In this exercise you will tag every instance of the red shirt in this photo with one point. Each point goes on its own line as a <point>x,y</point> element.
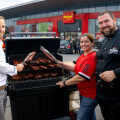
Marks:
<point>86,67</point>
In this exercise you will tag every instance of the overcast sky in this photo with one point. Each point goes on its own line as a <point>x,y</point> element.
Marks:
<point>8,3</point>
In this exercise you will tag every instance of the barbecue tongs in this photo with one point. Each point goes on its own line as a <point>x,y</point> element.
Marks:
<point>48,54</point>
<point>28,56</point>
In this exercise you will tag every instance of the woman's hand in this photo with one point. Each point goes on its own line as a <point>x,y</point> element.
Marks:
<point>60,83</point>
<point>61,64</point>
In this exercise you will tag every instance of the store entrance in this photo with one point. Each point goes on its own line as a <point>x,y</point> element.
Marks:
<point>73,38</point>
<point>70,36</point>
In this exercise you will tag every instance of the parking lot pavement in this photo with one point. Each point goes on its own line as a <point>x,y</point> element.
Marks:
<point>8,111</point>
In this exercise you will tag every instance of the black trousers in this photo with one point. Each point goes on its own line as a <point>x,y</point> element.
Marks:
<point>110,109</point>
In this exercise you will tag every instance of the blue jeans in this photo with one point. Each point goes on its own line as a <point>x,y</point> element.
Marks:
<point>87,109</point>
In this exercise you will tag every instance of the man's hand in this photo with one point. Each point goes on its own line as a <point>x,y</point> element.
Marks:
<point>19,67</point>
<point>107,76</point>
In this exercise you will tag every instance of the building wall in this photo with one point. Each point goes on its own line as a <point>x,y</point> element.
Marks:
<point>48,18</point>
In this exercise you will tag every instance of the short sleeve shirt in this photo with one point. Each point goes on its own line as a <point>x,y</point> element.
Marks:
<point>86,67</point>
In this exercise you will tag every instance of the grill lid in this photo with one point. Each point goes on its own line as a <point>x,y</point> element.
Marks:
<point>27,45</point>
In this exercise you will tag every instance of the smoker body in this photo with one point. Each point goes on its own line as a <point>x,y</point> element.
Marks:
<point>36,99</point>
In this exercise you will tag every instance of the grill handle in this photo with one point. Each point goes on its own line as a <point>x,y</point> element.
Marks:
<point>29,33</point>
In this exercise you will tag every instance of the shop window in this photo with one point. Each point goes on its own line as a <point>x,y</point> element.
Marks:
<point>100,7</point>
<point>67,36</point>
<point>119,6</point>
<point>70,35</point>
<point>32,15</point>
<point>44,13</point>
<point>23,17</point>
<point>85,9</point>
<point>28,16</point>
<point>118,22</point>
<point>97,26</point>
<point>78,35</point>
<point>49,12</point>
<point>72,8</point>
<point>66,8</point>
<point>92,25</point>
<point>60,11</point>
<point>112,6</point>
<point>56,13</point>
<point>91,8</point>
<point>61,35</point>
<point>38,15</point>
<point>78,9</point>
<point>6,22</point>
<point>11,25</point>
<point>19,28</point>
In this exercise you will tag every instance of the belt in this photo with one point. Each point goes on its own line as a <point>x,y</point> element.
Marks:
<point>2,87</point>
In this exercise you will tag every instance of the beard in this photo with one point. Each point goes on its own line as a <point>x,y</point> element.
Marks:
<point>110,32</point>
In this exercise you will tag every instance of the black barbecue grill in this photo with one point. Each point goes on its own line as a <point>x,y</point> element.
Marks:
<point>36,98</point>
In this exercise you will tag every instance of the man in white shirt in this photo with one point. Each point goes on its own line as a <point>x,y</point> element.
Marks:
<point>5,68</point>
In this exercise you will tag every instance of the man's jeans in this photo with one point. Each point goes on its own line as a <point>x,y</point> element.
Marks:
<point>87,109</point>
<point>3,101</point>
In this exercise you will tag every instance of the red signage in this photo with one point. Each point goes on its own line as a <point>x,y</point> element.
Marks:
<point>98,35</point>
<point>68,17</point>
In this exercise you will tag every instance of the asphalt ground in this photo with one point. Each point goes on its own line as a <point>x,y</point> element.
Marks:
<point>66,57</point>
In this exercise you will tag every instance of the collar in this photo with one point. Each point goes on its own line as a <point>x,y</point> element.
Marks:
<point>3,39</point>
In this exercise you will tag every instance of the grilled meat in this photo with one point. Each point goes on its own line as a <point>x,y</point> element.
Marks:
<point>46,61</point>
<point>15,62</point>
<point>55,65</point>
<point>37,61</point>
<point>34,67</point>
<point>46,74</point>
<point>30,75</point>
<point>31,56</point>
<point>40,60</point>
<point>31,61</point>
<point>53,74</point>
<point>38,75</point>
<point>42,67</point>
<point>23,75</point>
<point>16,77</point>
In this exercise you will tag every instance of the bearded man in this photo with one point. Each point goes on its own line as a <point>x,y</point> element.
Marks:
<point>108,67</point>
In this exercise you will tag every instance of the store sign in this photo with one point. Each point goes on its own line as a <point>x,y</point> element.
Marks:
<point>68,17</point>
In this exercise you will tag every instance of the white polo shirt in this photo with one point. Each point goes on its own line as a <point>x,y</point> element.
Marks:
<point>5,68</point>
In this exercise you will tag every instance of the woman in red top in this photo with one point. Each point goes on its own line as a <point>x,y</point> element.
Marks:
<point>85,78</point>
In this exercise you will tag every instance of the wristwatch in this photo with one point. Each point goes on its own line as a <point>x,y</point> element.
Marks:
<point>64,83</point>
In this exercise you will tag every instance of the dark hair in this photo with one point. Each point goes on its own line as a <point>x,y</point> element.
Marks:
<point>108,12</point>
<point>89,36</point>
